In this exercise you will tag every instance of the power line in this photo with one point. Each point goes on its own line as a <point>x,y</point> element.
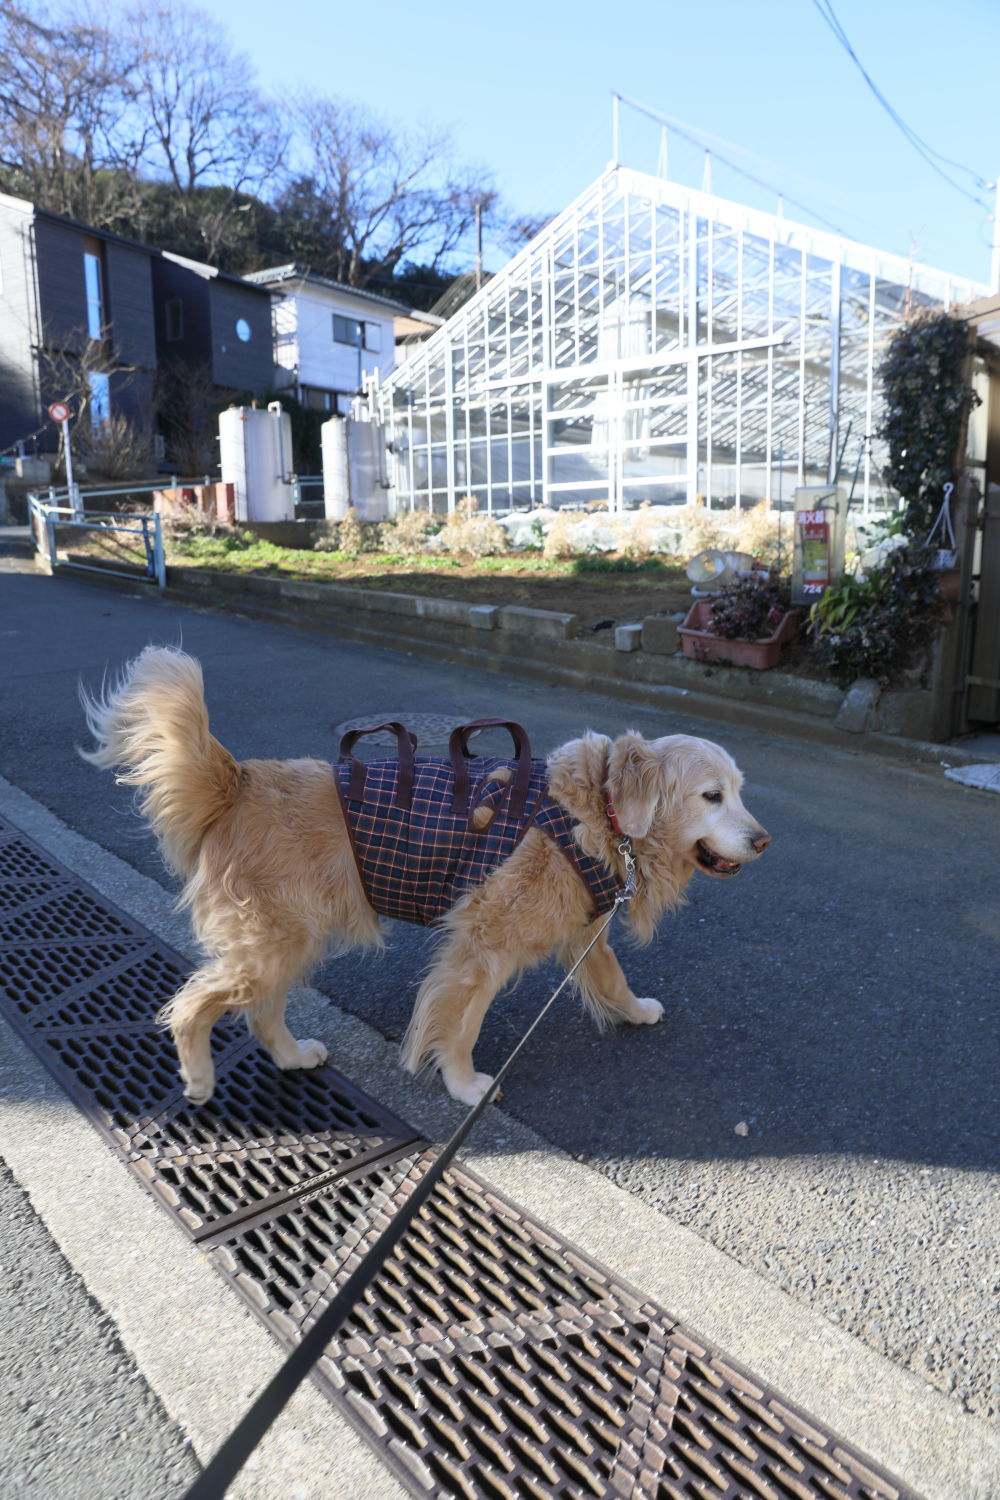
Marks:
<point>699,139</point>
<point>829,15</point>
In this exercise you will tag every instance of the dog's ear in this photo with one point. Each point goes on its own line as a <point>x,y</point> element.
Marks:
<point>637,783</point>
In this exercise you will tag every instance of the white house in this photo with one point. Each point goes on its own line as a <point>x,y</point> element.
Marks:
<point>328,336</point>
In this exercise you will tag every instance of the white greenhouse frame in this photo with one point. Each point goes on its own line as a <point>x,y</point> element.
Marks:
<point>655,343</point>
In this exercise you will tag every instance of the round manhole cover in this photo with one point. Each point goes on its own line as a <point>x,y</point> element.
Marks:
<point>430,729</point>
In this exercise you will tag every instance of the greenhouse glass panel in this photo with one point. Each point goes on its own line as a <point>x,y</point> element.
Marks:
<point>656,343</point>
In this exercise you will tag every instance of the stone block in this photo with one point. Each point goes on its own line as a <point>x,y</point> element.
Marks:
<point>379,601</point>
<point>628,637</point>
<point>301,588</point>
<point>660,634</point>
<point>455,612</point>
<point>543,624</point>
<point>33,470</point>
<point>858,711</point>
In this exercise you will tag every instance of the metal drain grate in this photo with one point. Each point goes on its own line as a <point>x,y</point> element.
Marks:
<point>489,1358</point>
<point>87,1006</point>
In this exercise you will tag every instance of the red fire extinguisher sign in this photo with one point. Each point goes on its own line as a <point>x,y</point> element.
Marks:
<point>816,554</point>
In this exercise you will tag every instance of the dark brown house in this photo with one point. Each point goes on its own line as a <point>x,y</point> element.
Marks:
<point>83,308</point>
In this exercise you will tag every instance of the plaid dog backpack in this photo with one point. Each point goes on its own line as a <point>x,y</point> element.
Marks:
<point>410,821</point>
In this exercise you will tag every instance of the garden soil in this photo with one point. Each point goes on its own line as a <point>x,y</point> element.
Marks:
<point>600,600</point>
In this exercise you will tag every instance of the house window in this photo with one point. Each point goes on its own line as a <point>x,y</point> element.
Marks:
<point>346,331</point>
<point>373,337</point>
<point>92,280</point>
<point>100,397</point>
<point>317,399</point>
<point>174,310</point>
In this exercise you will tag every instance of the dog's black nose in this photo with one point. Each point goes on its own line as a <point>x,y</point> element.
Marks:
<point>760,843</point>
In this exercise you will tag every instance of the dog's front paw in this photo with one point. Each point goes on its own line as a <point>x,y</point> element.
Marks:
<point>310,1054</point>
<point>199,1089</point>
<point>470,1091</point>
<point>647,1012</point>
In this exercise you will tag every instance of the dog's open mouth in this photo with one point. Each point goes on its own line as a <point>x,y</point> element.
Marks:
<point>714,864</point>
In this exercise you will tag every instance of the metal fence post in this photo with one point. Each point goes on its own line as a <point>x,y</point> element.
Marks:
<point>159,561</point>
<point>50,531</point>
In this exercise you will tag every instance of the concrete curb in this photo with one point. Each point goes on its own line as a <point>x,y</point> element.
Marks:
<point>543,645</point>
<point>637,665</point>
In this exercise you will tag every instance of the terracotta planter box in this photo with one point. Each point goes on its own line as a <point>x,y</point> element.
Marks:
<point>701,645</point>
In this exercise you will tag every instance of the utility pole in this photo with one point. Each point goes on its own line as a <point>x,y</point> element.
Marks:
<point>995,264</point>
<point>479,243</point>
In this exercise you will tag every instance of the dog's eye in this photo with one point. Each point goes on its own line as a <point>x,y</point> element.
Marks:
<point>712,796</point>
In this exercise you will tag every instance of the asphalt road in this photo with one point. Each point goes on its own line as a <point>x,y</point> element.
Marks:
<point>73,1398</point>
<point>839,999</point>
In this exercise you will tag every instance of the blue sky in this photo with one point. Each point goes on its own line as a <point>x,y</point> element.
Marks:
<point>526,90</point>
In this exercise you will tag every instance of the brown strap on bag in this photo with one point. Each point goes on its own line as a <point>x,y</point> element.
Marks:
<point>459,753</point>
<point>406,745</point>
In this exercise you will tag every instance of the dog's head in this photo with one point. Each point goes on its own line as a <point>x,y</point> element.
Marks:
<point>687,791</point>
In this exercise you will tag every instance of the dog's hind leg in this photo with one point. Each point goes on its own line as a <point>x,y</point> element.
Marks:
<point>191,1014</point>
<point>225,985</point>
<point>605,990</point>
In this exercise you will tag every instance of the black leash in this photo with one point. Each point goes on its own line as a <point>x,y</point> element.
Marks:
<point>221,1470</point>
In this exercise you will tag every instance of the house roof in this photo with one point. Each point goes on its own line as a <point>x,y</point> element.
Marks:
<point>275,275</point>
<point>201,268</point>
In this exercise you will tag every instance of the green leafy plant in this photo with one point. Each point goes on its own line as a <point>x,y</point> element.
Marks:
<point>749,610</point>
<point>874,626</point>
<point>615,563</point>
<point>927,400</point>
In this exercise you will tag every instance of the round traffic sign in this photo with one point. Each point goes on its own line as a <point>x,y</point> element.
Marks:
<point>59,411</point>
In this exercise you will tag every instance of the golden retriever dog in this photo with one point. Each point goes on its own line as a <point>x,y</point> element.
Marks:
<point>271,880</point>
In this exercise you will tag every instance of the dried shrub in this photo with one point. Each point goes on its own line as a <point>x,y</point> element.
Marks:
<point>758,533</point>
<point>116,449</point>
<point>699,528</point>
<point>407,533</point>
<point>558,541</point>
<point>638,532</point>
<point>466,534</point>
<point>350,534</point>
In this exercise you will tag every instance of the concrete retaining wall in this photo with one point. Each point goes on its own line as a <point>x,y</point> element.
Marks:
<point>638,663</point>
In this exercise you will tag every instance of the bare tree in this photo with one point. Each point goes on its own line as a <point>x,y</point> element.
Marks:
<point>188,403</point>
<point>386,193</point>
<point>516,232</point>
<point>109,444</point>
<point>208,124</point>
<point>69,138</point>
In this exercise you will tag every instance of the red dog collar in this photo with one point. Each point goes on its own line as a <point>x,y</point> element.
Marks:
<point>614,817</point>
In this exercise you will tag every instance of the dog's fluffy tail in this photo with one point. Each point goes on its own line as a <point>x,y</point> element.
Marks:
<point>152,727</point>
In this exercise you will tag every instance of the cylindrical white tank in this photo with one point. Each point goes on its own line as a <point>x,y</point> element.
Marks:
<point>336,468</point>
<point>255,450</point>
<point>366,452</point>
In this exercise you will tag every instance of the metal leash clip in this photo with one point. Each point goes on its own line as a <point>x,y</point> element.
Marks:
<point>631,876</point>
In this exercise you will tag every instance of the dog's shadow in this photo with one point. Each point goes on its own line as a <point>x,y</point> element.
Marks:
<point>787,1033</point>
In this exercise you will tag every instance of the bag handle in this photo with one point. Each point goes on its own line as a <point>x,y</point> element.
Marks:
<point>459,753</point>
<point>406,745</point>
